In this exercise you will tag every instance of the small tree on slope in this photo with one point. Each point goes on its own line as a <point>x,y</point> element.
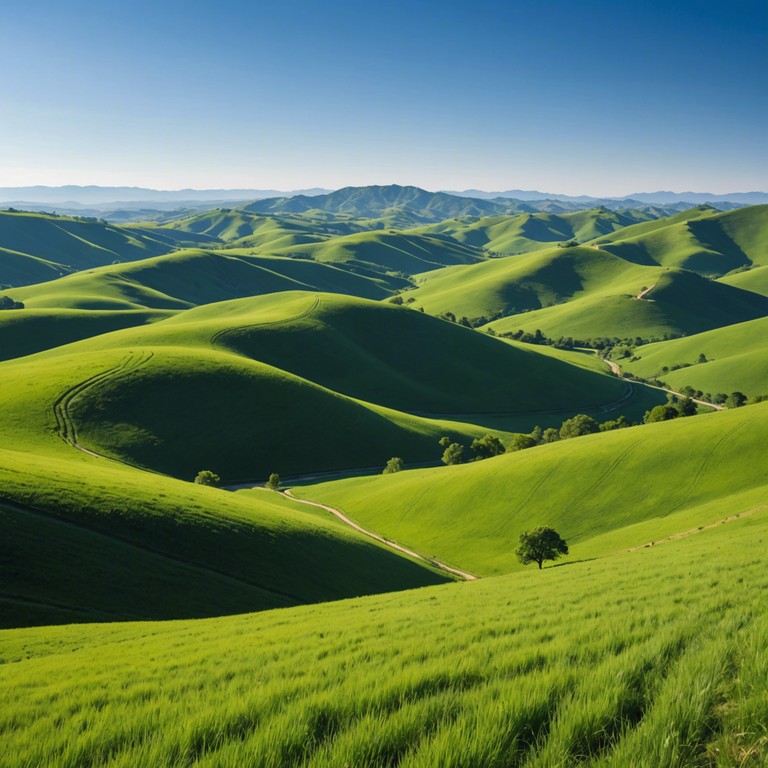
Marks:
<point>540,544</point>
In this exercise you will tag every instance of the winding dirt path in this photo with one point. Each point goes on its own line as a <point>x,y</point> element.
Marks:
<point>375,536</point>
<point>641,296</point>
<point>618,372</point>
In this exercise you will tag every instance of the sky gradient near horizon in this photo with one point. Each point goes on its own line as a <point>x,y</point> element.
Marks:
<point>596,97</point>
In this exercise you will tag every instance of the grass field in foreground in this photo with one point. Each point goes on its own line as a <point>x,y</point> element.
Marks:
<point>636,484</point>
<point>655,659</point>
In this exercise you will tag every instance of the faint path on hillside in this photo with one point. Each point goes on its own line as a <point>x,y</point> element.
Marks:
<point>65,423</point>
<point>375,536</point>
<point>618,372</point>
<point>692,531</point>
<point>641,296</point>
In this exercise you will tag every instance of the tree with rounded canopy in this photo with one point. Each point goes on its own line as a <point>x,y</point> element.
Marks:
<point>660,413</point>
<point>206,477</point>
<point>395,464</point>
<point>580,424</point>
<point>540,544</point>
<point>453,454</point>
<point>274,482</point>
<point>520,442</point>
<point>487,446</point>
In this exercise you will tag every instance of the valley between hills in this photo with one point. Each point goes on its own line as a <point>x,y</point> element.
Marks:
<point>264,470</point>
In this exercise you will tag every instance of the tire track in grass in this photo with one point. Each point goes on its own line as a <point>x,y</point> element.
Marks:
<point>386,542</point>
<point>65,422</point>
<point>217,338</point>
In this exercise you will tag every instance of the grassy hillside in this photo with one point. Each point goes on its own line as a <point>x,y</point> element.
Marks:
<point>541,279</point>
<point>407,360</point>
<point>711,244</point>
<point>736,359</point>
<point>655,659</point>
<point>242,228</point>
<point>678,303</point>
<point>36,246</point>
<point>191,277</point>
<point>749,280</point>
<point>185,407</point>
<point>390,251</point>
<point>146,546</point>
<point>526,232</point>
<point>24,332</point>
<point>601,492</point>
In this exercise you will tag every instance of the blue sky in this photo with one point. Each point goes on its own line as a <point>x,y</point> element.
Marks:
<point>585,97</point>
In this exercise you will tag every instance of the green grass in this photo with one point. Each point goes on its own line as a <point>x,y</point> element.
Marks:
<point>311,383</point>
<point>654,659</point>
<point>524,232</point>
<point>192,277</point>
<point>404,359</point>
<point>36,246</point>
<point>389,251</point>
<point>88,540</point>
<point>737,359</point>
<point>680,303</point>
<point>520,283</point>
<point>24,332</point>
<point>667,474</point>
<point>750,280</point>
<point>708,242</point>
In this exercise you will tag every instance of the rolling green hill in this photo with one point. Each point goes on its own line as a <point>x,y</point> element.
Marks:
<point>540,279</point>
<point>243,229</point>
<point>678,303</point>
<point>601,492</point>
<point>407,360</point>
<point>36,247</point>
<point>709,243</point>
<point>755,280</point>
<point>736,359</point>
<point>526,232</point>
<point>390,251</point>
<point>24,332</point>
<point>88,540</point>
<point>655,659</point>
<point>191,277</point>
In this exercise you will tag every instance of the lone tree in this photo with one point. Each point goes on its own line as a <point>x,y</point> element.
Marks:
<point>540,544</point>
<point>274,482</point>
<point>206,477</point>
<point>395,464</point>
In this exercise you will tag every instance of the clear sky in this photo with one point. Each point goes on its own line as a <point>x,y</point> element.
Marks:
<point>592,97</point>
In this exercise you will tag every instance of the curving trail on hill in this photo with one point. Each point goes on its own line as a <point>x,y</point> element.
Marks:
<point>370,534</point>
<point>618,372</point>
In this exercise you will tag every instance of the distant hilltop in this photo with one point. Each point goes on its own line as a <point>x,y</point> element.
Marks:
<point>89,197</point>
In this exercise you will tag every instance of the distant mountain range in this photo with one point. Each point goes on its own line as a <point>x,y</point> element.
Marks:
<point>654,198</point>
<point>385,206</point>
<point>122,197</point>
<point>115,197</point>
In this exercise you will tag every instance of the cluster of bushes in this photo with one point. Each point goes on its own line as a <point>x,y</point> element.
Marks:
<point>6,302</point>
<point>673,409</point>
<point>490,445</point>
